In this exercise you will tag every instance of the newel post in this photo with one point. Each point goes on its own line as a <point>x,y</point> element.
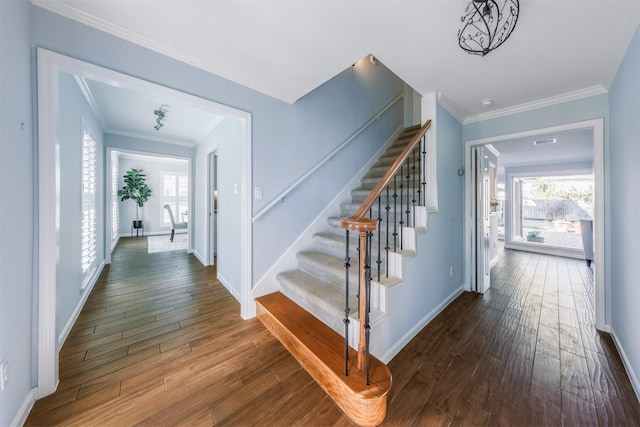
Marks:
<point>363,226</point>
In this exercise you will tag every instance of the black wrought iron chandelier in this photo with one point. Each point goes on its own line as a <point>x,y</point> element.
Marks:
<point>487,24</point>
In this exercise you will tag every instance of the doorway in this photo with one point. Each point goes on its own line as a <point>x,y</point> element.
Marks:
<point>596,128</point>
<point>50,66</point>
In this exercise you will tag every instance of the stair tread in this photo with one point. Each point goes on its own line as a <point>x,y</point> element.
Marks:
<point>325,346</point>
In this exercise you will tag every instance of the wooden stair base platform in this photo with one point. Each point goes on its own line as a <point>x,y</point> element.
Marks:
<point>320,350</point>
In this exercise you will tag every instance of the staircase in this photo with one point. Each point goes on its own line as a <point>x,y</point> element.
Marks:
<point>318,287</point>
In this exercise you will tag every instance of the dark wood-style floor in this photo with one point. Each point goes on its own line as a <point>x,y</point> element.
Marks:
<point>160,342</point>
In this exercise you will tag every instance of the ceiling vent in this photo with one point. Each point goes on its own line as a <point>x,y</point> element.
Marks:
<point>544,141</point>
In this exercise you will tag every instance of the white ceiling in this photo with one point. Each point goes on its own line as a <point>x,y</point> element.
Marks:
<point>129,111</point>
<point>559,49</point>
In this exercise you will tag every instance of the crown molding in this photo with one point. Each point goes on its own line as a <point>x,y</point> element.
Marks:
<point>545,102</point>
<point>184,143</point>
<point>82,17</point>
<point>88,96</point>
<point>448,106</point>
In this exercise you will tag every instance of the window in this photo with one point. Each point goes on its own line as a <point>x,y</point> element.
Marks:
<point>115,217</point>
<point>175,193</point>
<point>89,244</point>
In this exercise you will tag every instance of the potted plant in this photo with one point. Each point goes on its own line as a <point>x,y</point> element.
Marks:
<point>136,189</point>
<point>534,236</point>
<point>493,203</point>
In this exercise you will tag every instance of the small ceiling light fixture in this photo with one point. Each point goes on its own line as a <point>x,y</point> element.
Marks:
<point>486,103</point>
<point>160,112</point>
<point>486,24</point>
<point>544,141</point>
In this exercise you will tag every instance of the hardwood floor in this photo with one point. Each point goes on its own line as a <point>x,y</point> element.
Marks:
<point>160,342</point>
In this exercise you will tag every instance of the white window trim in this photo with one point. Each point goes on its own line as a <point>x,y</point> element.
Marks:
<point>87,268</point>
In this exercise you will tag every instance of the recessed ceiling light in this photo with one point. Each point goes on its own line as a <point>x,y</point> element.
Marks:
<point>544,141</point>
<point>486,103</point>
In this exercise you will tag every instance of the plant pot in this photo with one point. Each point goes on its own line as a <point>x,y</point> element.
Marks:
<point>535,239</point>
<point>137,223</point>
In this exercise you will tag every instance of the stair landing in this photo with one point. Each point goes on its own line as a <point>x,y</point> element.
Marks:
<point>320,350</point>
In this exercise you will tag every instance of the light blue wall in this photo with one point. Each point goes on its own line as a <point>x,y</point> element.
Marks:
<point>426,282</point>
<point>287,141</point>
<point>593,107</point>
<point>74,109</point>
<point>17,205</point>
<point>306,133</point>
<point>625,206</point>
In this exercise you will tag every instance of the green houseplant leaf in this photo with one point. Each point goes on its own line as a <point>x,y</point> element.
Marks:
<point>135,188</point>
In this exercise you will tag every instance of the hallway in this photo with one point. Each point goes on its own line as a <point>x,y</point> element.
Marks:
<point>160,342</point>
<point>525,353</point>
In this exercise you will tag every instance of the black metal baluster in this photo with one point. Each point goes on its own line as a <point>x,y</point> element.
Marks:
<point>424,168</point>
<point>408,176</point>
<point>413,187</point>
<point>379,260</point>
<point>367,327</point>
<point>419,148</point>
<point>401,204</point>
<point>386,248</point>
<point>346,308</point>
<point>395,219</point>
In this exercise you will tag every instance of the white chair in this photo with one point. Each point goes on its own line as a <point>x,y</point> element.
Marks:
<point>174,226</point>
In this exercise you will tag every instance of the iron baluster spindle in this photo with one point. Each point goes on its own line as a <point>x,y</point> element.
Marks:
<point>379,260</point>
<point>408,176</point>
<point>423,142</point>
<point>413,187</point>
<point>419,148</point>
<point>386,248</point>
<point>395,219</point>
<point>401,222</point>
<point>346,321</point>
<point>367,296</point>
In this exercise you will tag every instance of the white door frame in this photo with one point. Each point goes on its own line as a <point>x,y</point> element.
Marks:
<point>49,65</point>
<point>597,126</point>
<point>211,205</point>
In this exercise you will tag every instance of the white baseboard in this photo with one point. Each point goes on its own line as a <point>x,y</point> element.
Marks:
<point>227,285</point>
<point>25,409</point>
<point>627,365</point>
<point>83,299</point>
<point>200,258</point>
<point>404,340</point>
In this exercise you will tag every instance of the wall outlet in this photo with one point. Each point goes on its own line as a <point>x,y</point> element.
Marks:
<point>4,374</point>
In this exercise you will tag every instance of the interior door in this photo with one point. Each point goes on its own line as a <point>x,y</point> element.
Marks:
<point>482,220</point>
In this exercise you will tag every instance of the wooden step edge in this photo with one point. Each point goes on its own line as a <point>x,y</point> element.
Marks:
<point>320,350</point>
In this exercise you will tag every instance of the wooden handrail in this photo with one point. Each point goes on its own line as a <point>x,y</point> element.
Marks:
<point>386,179</point>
